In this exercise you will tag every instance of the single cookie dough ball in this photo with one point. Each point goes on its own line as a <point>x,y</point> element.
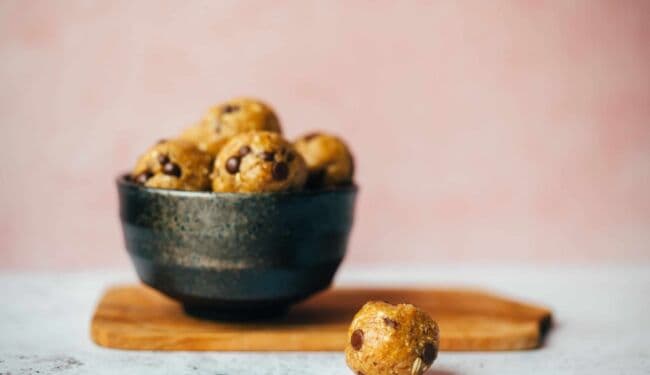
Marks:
<point>391,339</point>
<point>258,162</point>
<point>225,120</point>
<point>328,159</point>
<point>174,164</point>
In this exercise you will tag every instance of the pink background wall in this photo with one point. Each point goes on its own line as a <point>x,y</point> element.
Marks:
<point>492,131</point>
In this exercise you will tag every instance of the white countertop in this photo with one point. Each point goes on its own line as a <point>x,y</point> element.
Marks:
<point>602,325</point>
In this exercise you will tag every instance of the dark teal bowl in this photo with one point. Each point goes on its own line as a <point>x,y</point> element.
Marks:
<point>231,255</point>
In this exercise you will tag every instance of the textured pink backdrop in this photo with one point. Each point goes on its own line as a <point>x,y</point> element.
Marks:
<point>491,131</point>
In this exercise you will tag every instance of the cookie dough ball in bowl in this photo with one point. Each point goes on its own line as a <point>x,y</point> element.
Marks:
<point>258,162</point>
<point>173,164</point>
<point>233,117</point>
<point>391,339</point>
<point>329,161</point>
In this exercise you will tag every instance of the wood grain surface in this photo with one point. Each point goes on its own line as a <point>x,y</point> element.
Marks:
<point>138,318</point>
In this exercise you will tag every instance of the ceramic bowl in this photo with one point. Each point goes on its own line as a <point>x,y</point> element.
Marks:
<point>235,255</point>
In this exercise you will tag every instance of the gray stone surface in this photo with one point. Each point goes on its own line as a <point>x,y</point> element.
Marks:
<point>602,324</point>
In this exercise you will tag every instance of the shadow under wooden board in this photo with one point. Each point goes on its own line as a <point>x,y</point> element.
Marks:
<point>139,318</point>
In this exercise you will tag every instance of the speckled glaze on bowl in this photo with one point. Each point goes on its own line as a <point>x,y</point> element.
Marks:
<point>235,256</point>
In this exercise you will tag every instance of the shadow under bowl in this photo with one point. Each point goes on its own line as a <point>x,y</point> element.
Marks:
<point>235,255</point>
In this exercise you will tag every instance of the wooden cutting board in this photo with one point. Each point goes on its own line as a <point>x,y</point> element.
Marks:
<point>139,318</point>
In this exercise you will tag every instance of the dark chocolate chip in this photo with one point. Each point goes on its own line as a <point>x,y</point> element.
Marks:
<point>356,340</point>
<point>143,177</point>
<point>163,159</point>
<point>315,179</point>
<point>162,140</point>
<point>360,373</point>
<point>230,108</point>
<point>280,171</point>
<point>172,169</point>
<point>391,323</point>
<point>290,156</point>
<point>429,354</point>
<point>232,164</point>
<point>267,155</point>
<point>244,150</point>
<point>310,136</point>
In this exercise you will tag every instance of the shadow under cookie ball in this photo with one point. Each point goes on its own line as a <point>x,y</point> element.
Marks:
<point>173,164</point>
<point>329,160</point>
<point>228,119</point>
<point>258,162</point>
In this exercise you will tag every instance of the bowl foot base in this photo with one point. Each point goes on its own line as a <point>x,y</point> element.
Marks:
<point>230,315</point>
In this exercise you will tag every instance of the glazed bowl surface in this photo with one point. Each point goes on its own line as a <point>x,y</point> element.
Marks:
<point>233,255</point>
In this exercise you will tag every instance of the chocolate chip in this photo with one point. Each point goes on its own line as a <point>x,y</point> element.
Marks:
<point>172,169</point>
<point>391,323</point>
<point>429,354</point>
<point>315,179</point>
<point>244,150</point>
<point>280,171</point>
<point>310,136</point>
<point>230,108</point>
<point>360,373</point>
<point>162,140</point>
<point>163,159</point>
<point>232,164</point>
<point>290,156</point>
<point>356,340</point>
<point>267,155</point>
<point>143,177</point>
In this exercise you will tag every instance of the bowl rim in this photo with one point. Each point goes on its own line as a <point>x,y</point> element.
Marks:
<point>122,180</point>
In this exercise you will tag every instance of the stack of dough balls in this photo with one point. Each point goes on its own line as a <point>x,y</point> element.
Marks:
<point>238,147</point>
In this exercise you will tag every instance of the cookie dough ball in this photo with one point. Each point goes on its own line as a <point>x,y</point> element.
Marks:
<point>328,159</point>
<point>258,162</point>
<point>174,164</point>
<point>225,120</point>
<point>391,339</point>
